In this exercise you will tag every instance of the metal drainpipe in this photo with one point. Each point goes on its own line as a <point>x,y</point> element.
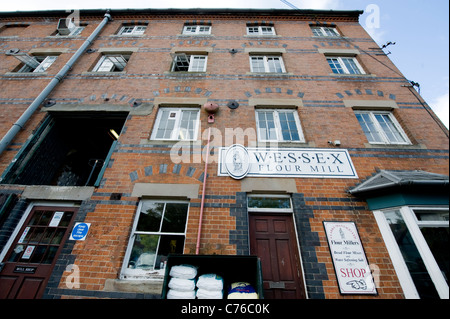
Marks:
<point>20,123</point>
<point>199,232</point>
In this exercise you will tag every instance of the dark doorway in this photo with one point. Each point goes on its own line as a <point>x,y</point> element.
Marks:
<point>67,150</point>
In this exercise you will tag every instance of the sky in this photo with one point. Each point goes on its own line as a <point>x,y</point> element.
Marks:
<point>419,28</point>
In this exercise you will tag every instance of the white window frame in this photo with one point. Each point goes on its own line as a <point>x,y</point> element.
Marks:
<point>408,215</point>
<point>196,29</point>
<point>277,123</point>
<point>381,132</point>
<point>36,64</point>
<point>111,63</point>
<point>261,30</point>
<point>141,273</point>
<point>324,31</point>
<point>266,62</point>
<point>178,111</point>
<point>270,210</point>
<point>135,30</point>
<point>191,60</point>
<point>343,66</point>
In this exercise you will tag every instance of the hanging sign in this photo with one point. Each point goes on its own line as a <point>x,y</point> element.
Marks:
<point>349,260</point>
<point>80,231</point>
<point>238,162</point>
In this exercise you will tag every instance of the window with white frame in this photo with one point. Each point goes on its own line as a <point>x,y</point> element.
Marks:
<point>112,63</point>
<point>325,32</point>
<point>159,229</point>
<point>267,64</point>
<point>381,127</point>
<point>35,64</point>
<point>178,124</point>
<point>197,29</point>
<point>260,30</point>
<point>278,125</point>
<point>345,65</point>
<point>132,30</point>
<point>189,63</point>
<point>417,239</point>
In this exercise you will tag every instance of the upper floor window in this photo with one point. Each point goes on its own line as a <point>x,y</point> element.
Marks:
<point>72,32</point>
<point>260,30</point>
<point>279,125</point>
<point>176,124</point>
<point>197,29</point>
<point>345,65</point>
<point>325,32</point>
<point>111,63</point>
<point>189,63</point>
<point>35,64</point>
<point>132,30</point>
<point>381,127</point>
<point>267,64</point>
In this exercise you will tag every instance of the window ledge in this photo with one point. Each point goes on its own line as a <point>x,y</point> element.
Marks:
<point>270,74</point>
<point>104,73</point>
<point>27,74</point>
<point>397,146</point>
<point>352,75</point>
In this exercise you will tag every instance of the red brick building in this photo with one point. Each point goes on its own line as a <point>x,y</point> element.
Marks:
<point>322,159</point>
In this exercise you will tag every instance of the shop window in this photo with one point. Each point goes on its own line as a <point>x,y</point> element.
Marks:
<point>418,239</point>
<point>112,63</point>
<point>159,230</point>
<point>345,65</point>
<point>267,64</point>
<point>381,127</point>
<point>69,149</point>
<point>189,63</point>
<point>176,124</point>
<point>278,126</point>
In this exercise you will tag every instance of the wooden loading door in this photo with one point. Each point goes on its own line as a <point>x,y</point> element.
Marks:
<point>30,260</point>
<point>273,240</point>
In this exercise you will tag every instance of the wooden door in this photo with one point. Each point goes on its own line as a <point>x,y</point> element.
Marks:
<point>32,256</point>
<point>273,240</point>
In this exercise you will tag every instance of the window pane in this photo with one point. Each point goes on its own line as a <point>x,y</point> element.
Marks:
<point>274,64</point>
<point>389,128</point>
<point>288,126</point>
<point>187,125</point>
<point>335,65</point>
<point>197,64</point>
<point>431,215</point>
<point>150,217</point>
<point>143,253</point>
<point>258,64</point>
<point>269,202</point>
<point>351,66</point>
<point>411,255</point>
<point>168,244</point>
<point>369,128</point>
<point>317,32</point>
<point>438,242</point>
<point>175,218</point>
<point>166,125</point>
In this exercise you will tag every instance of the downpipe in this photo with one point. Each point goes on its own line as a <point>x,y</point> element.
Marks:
<point>20,123</point>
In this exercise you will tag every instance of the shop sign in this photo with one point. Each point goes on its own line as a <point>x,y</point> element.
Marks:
<point>349,259</point>
<point>238,162</point>
<point>80,231</point>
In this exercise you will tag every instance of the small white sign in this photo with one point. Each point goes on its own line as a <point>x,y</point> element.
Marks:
<point>28,251</point>
<point>350,262</point>
<point>57,216</point>
<point>237,161</point>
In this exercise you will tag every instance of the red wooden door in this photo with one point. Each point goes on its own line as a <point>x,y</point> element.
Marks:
<point>273,240</point>
<point>31,258</point>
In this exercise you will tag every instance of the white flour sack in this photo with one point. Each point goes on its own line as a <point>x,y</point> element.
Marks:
<point>183,271</point>
<point>181,284</point>
<point>210,282</point>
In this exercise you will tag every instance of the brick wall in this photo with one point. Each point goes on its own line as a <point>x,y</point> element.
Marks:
<point>323,117</point>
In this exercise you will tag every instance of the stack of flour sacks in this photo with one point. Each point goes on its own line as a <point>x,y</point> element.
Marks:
<point>184,280</point>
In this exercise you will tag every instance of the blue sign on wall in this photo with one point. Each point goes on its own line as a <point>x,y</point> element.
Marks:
<point>80,231</point>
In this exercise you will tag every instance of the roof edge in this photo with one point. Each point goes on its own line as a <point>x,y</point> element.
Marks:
<point>191,11</point>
